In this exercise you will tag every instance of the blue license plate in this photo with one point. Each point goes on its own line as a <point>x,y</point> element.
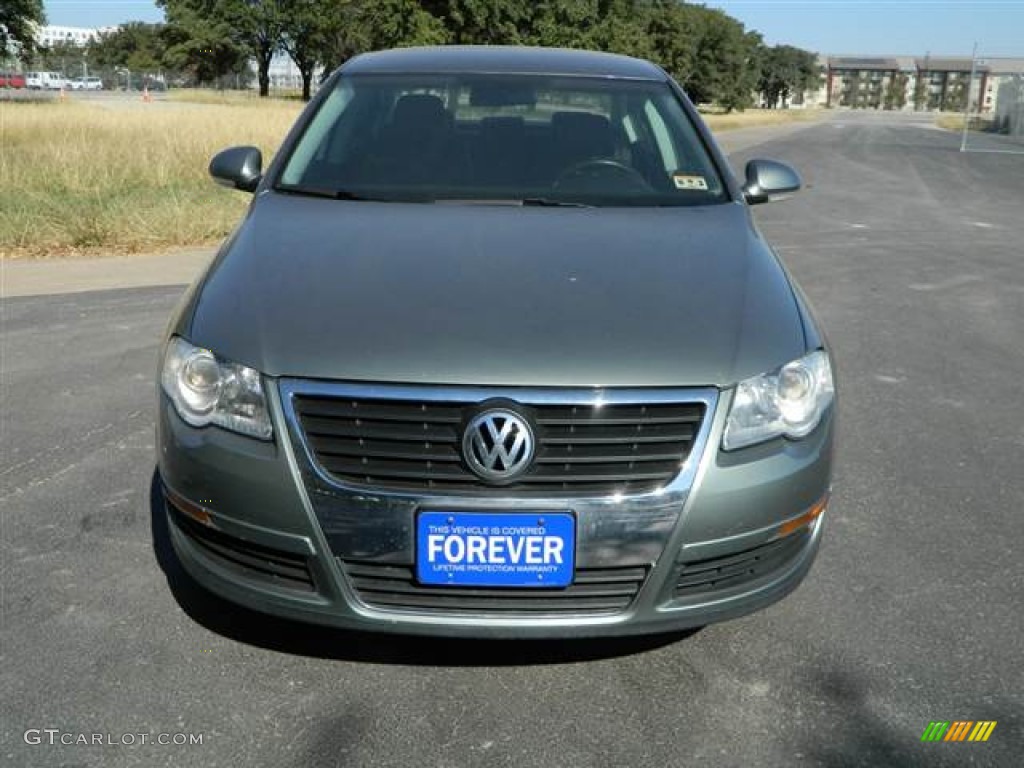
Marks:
<point>470,549</point>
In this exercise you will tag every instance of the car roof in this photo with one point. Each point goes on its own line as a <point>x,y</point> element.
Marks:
<point>498,59</point>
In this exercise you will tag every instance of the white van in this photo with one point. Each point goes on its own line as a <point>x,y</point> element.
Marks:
<point>44,81</point>
<point>87,84</point>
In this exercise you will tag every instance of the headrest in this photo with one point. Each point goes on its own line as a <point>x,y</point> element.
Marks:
<point>420,110</point>
<point>584,132</point>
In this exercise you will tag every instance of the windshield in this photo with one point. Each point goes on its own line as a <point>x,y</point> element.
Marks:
<point>521,138</point>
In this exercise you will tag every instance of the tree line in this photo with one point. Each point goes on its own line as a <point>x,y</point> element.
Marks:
<point>712,55</point>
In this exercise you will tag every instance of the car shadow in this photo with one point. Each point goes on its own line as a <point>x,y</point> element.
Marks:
<point>279,634</point>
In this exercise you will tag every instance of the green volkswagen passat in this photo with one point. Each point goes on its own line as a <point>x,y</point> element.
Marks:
<point>497,351</point>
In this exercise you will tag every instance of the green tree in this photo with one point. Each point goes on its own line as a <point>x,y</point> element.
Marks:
<point>399,24</point>
<point>484,22</point>
<point>785,72</point>
<point>710,53</point>
<point>673,32</point>
<point>622,28</point>
<point>560,24</point>
<point>707,51</point>
<point>724,71</point>
<point>343,36</point>
<point>259,25</point>
<point>618,26</point>
<point>136,45</point>
<point>955,95</point>
<point>202,43</point>
<point>896,91</point>
<point>63,56</point>
<point>355,26</point>
<point>212,35</point>
<point>921,91</point>
<point>306,27</point>
<point>18,20</point>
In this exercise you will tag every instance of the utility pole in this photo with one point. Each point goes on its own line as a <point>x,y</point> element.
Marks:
<point>967,98</point>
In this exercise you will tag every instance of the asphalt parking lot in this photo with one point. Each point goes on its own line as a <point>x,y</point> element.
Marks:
<point>912,255</point>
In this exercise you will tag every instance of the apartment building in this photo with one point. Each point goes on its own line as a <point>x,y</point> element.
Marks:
<point>928,83</point>
<point>79,36</point>
<point>862,82</point>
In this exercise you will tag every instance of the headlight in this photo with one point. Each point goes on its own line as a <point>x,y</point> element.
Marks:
<point>206,390</point>
<point>788,402</point>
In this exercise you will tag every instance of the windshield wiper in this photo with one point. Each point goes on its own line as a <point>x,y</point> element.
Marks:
<point>344,194</point>
<point>334,194</point>
<point>549,202</point>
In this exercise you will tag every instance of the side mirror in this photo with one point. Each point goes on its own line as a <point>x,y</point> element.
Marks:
<point>769,180</point>
<point>238,168</point>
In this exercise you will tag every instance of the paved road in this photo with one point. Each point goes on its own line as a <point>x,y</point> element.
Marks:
<point>912,254</point>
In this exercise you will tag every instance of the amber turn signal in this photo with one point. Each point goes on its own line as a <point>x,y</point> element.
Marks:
<point>808,517</point>
<point>186,507</point>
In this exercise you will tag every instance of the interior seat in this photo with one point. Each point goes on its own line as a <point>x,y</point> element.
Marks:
<point>580,136</point>
<point>416,146</point>
<point>502,156</point>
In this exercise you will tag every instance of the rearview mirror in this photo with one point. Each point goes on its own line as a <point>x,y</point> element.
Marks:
<point>505,95</point>
<point>769,180</point>
<point>238,168</point>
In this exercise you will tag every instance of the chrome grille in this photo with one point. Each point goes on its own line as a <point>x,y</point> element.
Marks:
<point>414,445</point>
<point>594,590</point>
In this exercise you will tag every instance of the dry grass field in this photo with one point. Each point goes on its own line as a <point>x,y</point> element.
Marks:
<point>950,121</point>
<point>85,178</point>
<point>78,178</point>
<point>210,96</point>
<point>755,118</point>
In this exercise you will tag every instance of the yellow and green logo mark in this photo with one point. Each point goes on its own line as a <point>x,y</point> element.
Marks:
<point>958,730</point>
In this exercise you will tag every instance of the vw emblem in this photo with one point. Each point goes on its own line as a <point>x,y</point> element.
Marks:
<point>498,445</point>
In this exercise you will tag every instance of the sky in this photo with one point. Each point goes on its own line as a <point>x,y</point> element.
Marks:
<point>872,27</point>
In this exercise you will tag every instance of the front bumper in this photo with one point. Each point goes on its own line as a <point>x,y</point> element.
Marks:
<point>278,534</point>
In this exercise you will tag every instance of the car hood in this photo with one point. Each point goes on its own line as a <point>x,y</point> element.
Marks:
<point>497,295</point>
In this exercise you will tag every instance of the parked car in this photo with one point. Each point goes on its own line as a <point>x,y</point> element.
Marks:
<point>497,351</point>
<point>12,80</point>
<point>46,81</point>
<point>154,84</point>
<point>87,84</point>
